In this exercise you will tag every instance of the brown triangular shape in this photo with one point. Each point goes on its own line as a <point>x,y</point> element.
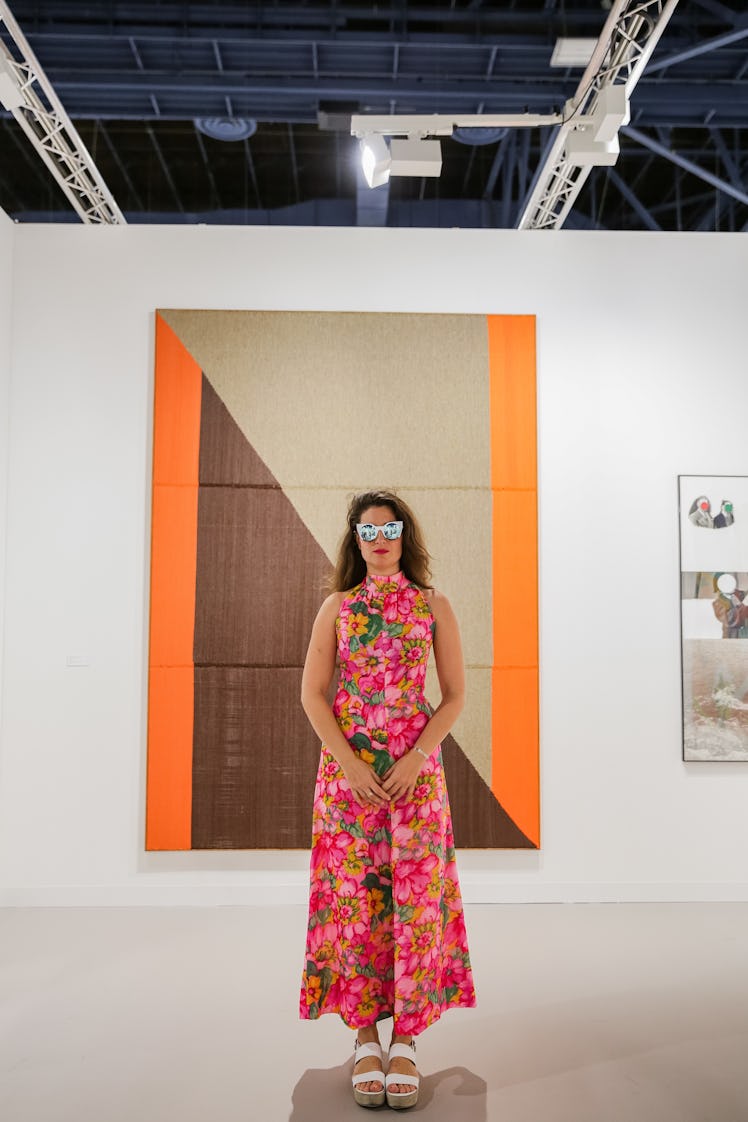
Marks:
<point>226,456</point>
<point>478,818</point>
<point>260,579</point>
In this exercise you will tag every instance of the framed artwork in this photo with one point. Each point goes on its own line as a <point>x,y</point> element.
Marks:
<point>264,424</point>
<point>713,513</point>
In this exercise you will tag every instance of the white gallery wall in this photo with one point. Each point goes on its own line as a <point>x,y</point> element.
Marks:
<point>641,375</point>
<point>7,231</point>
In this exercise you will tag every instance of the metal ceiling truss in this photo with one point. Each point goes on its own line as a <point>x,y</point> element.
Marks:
<point>631,33</point>
<point>667,153</point>
<point>36,108</point>
<point>138,79</point>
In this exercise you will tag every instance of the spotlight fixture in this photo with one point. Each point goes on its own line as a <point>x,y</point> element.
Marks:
<point>584,152</point>
<point>611,111</point>
<point>375,159</point>
<point>595,144</point>
<point>415,157</point>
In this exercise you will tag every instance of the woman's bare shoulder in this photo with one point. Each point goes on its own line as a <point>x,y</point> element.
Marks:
<point>437,601</point>
<point>331,604</point>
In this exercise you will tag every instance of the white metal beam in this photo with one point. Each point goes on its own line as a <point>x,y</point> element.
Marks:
<point>631,32</point>
<point>442,124</point>
<point>29,96</point>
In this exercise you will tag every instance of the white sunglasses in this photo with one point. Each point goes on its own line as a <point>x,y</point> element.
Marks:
<point>367,531</point>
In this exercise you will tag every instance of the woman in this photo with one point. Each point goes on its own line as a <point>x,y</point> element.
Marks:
<point>386,932</point>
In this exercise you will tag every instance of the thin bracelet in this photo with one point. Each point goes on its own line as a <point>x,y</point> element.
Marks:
<point>422,753</point>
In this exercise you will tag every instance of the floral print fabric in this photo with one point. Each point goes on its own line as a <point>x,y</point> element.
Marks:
<point>386,933</point>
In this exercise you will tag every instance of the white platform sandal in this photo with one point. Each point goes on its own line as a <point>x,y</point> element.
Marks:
<point>368,1098</point>
<point>399,1100</point>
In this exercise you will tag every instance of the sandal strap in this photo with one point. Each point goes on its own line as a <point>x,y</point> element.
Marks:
<point>409,1080</point>
<point>369,1049</point>
<point>405,1051</point>
<point>369,1077</point>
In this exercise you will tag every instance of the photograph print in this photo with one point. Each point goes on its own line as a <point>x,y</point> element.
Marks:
<point>714,616</point>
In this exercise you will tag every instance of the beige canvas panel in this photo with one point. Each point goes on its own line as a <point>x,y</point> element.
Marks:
<point>472,729</point>
<point>457,528</point>
<point>315,393</point>
<point>323,510</point>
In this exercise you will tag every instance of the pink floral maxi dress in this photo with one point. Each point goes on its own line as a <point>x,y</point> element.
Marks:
<point>386,933</point>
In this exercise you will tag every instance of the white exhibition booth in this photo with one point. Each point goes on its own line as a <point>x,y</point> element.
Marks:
<point>642,344</point>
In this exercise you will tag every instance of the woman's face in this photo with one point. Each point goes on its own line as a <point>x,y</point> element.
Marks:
<point>380,556</point>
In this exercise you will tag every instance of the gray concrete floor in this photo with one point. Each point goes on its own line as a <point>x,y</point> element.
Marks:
<point>586,1013</point>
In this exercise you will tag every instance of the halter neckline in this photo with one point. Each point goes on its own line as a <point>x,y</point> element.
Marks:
<point>392,578</point>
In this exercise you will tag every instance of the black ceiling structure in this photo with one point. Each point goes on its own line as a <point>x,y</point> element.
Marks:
<point>238,113</point>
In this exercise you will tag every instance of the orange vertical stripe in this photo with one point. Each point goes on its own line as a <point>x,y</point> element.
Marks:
<point>170,730</point>
<point>176,449</point>
<point>515,753</point>
<point>515,719</point>
<point>511,356</point>
<point>515,579</point>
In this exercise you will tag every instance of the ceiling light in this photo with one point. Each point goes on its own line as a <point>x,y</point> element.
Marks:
<point>375,159</point>
<point>227,128</point>
<point>11,95</point>
<point>415,157</point>
<point>572,52</point>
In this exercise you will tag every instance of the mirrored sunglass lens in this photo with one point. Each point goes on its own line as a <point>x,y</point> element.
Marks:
<point>392,530</point>
<point>367,532</point>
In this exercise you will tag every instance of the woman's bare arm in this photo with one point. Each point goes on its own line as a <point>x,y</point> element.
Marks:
<point>319,668</point>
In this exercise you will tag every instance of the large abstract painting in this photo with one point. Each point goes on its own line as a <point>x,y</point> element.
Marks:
<point>714,616</point>
<point>264,424</point>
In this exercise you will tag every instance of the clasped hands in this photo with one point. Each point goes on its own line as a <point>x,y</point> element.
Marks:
<point>398,782</point>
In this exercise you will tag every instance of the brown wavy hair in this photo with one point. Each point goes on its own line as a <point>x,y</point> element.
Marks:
<point>350,567</point>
